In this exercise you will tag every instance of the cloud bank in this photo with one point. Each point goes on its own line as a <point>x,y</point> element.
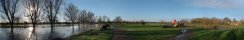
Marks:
<point>216,3</point>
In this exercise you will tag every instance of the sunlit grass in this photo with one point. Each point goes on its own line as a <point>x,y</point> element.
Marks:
<point>94,35</point>
<point>149,31</point>
<point>228,34</point>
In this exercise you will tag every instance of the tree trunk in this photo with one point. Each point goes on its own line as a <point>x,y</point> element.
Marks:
<point>12,31</point>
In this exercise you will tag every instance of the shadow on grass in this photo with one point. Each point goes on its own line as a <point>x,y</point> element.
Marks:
<point>229,34</point>
<point>152,34</point>
<point>94,35</point>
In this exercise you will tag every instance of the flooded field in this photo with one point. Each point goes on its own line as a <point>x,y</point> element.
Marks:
<point>43,32</point>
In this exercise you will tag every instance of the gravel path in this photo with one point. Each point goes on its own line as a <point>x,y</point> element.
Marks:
<point>119,34</point>
<point>184,36</point>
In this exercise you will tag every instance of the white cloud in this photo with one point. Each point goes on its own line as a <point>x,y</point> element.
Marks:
<point>216,3</point>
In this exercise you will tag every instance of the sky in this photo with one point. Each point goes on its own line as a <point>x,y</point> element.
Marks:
<point>157,10</point>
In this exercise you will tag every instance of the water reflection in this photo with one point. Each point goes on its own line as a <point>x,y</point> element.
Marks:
<point>43,32</point>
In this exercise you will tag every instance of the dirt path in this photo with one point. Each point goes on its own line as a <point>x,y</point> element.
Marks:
<point>119,34</point>
<point>184,35</point>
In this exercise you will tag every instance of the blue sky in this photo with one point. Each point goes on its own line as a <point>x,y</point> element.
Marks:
<point>157,10</point>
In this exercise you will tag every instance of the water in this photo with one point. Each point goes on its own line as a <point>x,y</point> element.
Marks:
<point>43,32</point>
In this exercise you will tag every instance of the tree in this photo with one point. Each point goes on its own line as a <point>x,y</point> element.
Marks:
<point>81,15</point>
<point>104,18</point>
<point>185,21</point>
<point>143,22</point>
<point>108,20</point>
<point>51,9</point>
<point>215,21</point>
<point>90,17</point>
<point>242,21</point>
<point>86,17</point>
<point>34,10</point>
<point>118,19</point>
<point>99,20</point>
<point>162,22</point>
<point>234,20</point>
<point>9,9</point>
<point>17,19</point>
<point>226,20</point>
<point>72,13</point>
<point>205,21</point>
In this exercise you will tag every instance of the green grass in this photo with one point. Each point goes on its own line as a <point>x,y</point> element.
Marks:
<point>228,34</point>
<point>149,31</point>
<point>94,35</point>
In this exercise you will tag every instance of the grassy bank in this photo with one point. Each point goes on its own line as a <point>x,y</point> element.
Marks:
<point>227,34</point>
<point>149,31</point>
<point>94,35</point>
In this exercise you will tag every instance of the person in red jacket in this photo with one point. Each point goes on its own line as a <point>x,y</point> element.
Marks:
<point>174,23</point>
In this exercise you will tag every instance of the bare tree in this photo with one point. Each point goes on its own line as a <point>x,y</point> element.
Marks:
<point>99,19</point>
<point>52,8</point>
<point>9,9</point>
<point>17,19</point>
<point>104,18</point>
<point>34,10</point>
<point>71,13</point>
<point>81,18</point>
<point>108,20</point>
<point>118,19</point>
<point>86,16</point>
<point>90,17</point>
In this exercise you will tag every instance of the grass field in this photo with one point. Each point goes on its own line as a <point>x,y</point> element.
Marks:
<point>227,34</point>
<point>149,31</point>
<point>154,31</point>
<point>94,35</point>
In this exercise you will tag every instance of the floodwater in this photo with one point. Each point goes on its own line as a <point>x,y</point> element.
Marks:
<point>43,32</point>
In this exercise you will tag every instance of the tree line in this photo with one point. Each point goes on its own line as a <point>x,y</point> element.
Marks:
<point>211,22</point>
<point>48,11</point>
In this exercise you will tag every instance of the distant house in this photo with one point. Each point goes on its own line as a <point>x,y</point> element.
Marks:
<point>235,23</point>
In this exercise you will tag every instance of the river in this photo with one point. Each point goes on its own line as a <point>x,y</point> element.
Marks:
<point>43,32</point>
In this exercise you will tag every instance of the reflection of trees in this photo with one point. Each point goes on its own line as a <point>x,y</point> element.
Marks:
<point>33,35</point>
<point>51,10</point>
<point>12,34</point>
<point>9,9</point>
<point>51,32</point>
<point>9,33</point>
<point>72,14</point>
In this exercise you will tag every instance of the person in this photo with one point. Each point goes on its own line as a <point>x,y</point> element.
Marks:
<point>105,27</point>
<point>173,22</point>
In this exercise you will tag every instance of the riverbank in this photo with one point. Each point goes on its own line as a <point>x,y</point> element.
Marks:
<point>94,35</point>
